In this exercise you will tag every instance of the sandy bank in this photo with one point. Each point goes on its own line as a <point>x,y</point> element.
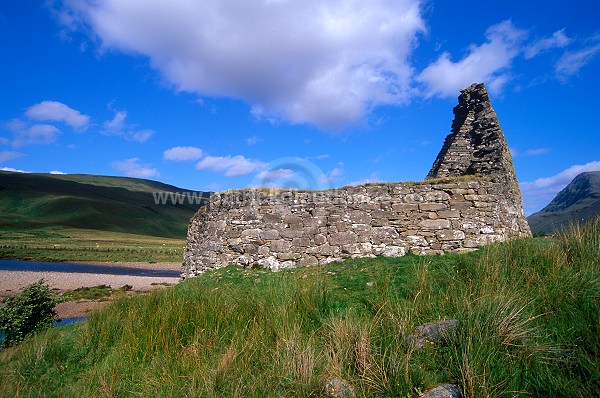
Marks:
<point>12,283</point>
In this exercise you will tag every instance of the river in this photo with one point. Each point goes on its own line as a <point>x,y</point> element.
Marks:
<point>39,266</point>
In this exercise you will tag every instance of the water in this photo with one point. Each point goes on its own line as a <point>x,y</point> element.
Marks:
<point>68,321</point>
<point>62,322</point>
<point>39,266</point>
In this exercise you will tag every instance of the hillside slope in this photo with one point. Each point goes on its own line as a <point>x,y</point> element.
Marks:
<point>577,202</point>
<point>117,204</point>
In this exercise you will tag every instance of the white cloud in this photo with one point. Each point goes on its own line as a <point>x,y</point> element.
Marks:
<point>558,40</point>
<point>252,140</point>
<point>183,154</point>
<point>37,134</point>
<point>331,176</point>
<point>57,172</point>
<point>538,193</point>
<point>118,127</point>
<point>6,156</point>
<point>230,165</point>
<point>117,123</point>
<point>213,187</point>
<point>572,61</point>
<point>374,177</point>
<point>325,62</point>
<point>276,174</point>
<point>58,112</point>
<point>529,152</point>
<point>537,151</point>
<point>13,170</point>
<point>488,62</point>
<point>133,168</point>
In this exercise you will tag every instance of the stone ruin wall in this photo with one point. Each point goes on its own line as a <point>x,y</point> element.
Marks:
<point>470,198</point>
<point>300,228</point>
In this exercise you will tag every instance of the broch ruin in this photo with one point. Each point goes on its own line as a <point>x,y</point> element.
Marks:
<point>469,198</point>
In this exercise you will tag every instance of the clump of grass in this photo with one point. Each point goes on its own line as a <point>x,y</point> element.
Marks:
<point>98,292</point>
<point>528,314</point>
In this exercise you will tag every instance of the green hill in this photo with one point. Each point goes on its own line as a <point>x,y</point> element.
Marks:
<point>578,202</point>
<point>116,204</point>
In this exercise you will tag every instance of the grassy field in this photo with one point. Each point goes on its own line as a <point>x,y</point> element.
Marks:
<point>75,244</point>
<point>529,313</point>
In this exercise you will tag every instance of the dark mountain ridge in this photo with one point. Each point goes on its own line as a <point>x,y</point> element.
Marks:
<point>578,202</point>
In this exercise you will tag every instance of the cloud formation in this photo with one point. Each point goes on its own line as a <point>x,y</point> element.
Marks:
<point>134,168</point>
<point>6,156</point>
<point>324,62</point>
<point>572,61</point>
<point>331,176</point>
<point>13,170</point>
<point>58,112</point>
<point>230,165</point>
<point>558,40</point>
<point>538,193</point>
<point>488,62</point>
<point>24,134</point>
<point>118,127</point>
<point>183,154</point>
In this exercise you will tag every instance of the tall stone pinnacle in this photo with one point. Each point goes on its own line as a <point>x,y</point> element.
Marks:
<point>477,146</point>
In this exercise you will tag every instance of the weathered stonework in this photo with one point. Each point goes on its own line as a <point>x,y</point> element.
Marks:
<point>447,213</point>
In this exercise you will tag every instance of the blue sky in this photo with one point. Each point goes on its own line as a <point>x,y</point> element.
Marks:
<point>220,94</point>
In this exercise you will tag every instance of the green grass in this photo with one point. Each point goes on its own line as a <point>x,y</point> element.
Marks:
<point>73,244</point>
<point>116,204</point>
<point>97,293</point>
<point>529,315</point>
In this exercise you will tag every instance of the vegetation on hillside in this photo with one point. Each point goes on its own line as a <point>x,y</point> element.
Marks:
<point>529,313</point>
<point>116,204</point>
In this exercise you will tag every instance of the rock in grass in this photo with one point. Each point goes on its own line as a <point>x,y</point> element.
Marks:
<point>338,388</point>
<point>434,333</point>
<point>443,391</point>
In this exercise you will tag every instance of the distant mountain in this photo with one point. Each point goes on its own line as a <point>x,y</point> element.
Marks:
<point>578,202</point>
<point>118,204</point>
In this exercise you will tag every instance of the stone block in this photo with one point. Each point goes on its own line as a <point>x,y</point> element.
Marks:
<point>359,217</point>
<point>250,249</point>
<point>449,214</point>
<point>342,238</point>
<point>432,206</point>
<point>448,234</point>
<point>320,239</point>
<point>435,224</point>
<point>280,246</point>
<point>270,234</point>
<point>308,261</point>
<point>300,242</point>
<point>253,233</point>
<point>288,256</point>
<point>394,251</point>
<point>405,207</point>
<point>292,219</point>
<point>271,218</point>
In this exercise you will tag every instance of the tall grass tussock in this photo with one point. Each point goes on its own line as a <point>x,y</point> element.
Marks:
<point>528,311</point>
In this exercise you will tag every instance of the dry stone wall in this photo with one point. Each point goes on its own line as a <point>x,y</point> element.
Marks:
<point>286,229</point>
<point>470,198</point>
